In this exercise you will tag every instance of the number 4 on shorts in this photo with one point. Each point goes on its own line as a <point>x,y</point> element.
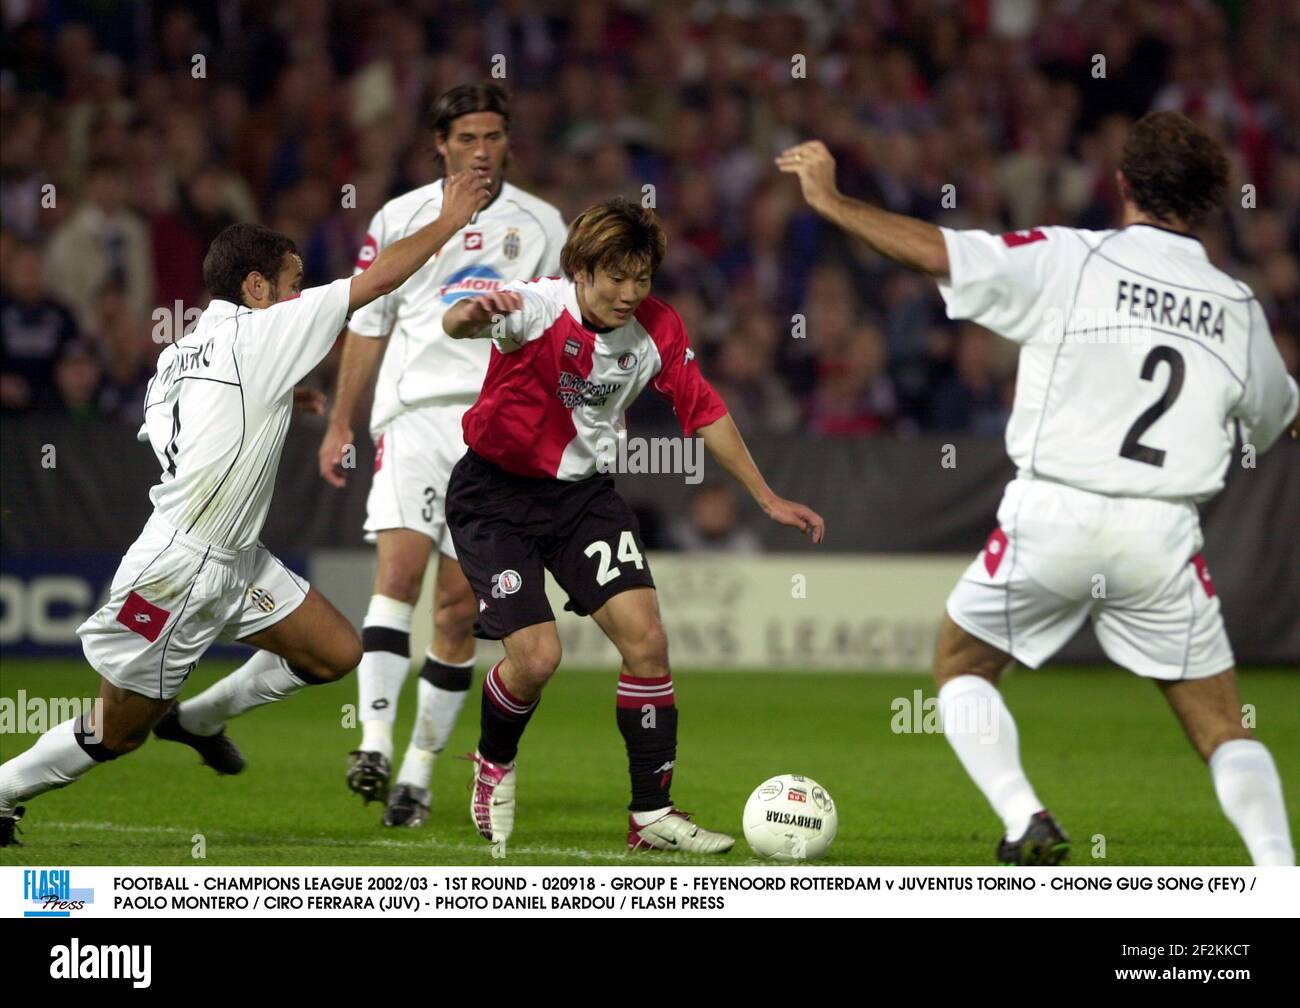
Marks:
<point>627,553</point>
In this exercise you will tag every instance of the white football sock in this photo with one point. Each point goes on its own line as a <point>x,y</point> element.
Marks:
<point>263,679</point>
<point>981,731</point>
<point>55,761</point>
<point>1250,791</point>
<point>383,669</point>
<point>438,711</point>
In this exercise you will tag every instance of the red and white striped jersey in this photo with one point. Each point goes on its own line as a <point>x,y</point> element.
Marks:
<point>556,391</point>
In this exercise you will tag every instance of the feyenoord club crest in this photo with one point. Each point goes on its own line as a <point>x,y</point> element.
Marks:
<point>627,361</point>
<point>510,247</point>
<point>506,583</point>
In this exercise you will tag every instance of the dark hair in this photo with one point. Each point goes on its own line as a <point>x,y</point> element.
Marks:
<point>615,234</point>
<point>239,250</point>
<point>466,99</point>
<point>1174,169</point>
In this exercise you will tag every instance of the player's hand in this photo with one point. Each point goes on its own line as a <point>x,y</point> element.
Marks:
<point>797,515</point>
<point>463,195</point>
<point>337,439</point>
<point>815,167</point>
<point>308,400</point>
<point>486,308</point>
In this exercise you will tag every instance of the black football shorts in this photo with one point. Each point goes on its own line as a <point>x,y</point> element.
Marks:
<point>510,529</point>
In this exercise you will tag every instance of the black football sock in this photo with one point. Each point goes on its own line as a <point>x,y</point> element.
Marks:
<point>503,720</point>
<point>647,717</point>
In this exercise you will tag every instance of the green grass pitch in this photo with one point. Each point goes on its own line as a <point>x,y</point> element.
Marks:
<point>1100,746</point>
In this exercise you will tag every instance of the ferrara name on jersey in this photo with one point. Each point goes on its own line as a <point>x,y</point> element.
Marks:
<point>1138,357</point>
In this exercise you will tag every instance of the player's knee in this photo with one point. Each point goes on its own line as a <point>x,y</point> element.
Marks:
<point>399,581</point>
<point>538,664</point>
<point>649,653</point>
<point>454,613</point>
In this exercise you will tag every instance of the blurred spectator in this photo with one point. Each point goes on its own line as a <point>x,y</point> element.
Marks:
<point>745,378</point>
<point>713,525</point>
<point>35,332</point>
<point>854,394</point>
<point>972,399</point>
<point>77,377</point>
<point>102,242</point>
<point>126,356</point>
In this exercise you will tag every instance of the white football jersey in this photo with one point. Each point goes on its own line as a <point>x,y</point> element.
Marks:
<point>515,237</point>
<point>217,409</point>
<point>1136,356</point>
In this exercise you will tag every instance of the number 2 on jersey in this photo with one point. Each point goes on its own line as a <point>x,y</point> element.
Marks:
<point>1132,448</point>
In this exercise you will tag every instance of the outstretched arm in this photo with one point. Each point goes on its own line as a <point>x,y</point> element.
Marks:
<point>472,317</point>
<point>913,243</point>
<point>725,444</point>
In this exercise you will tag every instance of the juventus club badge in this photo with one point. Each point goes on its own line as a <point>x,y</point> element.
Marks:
<point>510,247</point>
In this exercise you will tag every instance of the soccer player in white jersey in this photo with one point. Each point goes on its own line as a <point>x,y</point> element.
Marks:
<point>425,384</point>
<point>1137,360</point>
<point>533,494</point>
<point>216,414</point>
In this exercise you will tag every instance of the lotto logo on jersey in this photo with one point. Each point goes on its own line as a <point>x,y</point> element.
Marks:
<point>473,241</point>
<point>369,249</point>
<point>470,282</point>
<point>142,617</point>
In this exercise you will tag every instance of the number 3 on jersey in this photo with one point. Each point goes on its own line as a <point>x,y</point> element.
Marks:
<point>627,553</point>
<point>1133,448</point>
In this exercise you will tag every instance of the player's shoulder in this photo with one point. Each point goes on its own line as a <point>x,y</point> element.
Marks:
<point>549,288</point>
<point>398,213</point>
<point>546,214</point>
<point>660,319</point>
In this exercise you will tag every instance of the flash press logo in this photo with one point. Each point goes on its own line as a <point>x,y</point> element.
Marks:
<point>49,892</point>
<point>76,961</point>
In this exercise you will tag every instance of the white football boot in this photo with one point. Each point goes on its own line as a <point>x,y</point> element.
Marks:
<point>675,831</point>
<point>492,802</point>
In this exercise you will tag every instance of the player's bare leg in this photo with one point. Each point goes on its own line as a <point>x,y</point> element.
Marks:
<point>511,691</point>
<point>647,718</point>
<point>314,644</point>
<point>444,684</point>
<point>1245,776</point>
<point>402,556</point>
<point>118,724</point>
<point>982,733</point>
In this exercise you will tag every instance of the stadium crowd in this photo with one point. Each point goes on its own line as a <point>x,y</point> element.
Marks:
<point>134,132</point>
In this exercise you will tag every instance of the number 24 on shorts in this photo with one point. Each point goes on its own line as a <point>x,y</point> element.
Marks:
<point>627,553</point>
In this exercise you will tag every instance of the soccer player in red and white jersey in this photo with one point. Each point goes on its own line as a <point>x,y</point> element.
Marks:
<point>1137,360</point>
<point>216,415</point>
<point>425,384</point>
<point>532,494</point>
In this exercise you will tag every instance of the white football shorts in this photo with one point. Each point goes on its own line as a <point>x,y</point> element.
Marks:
<point>414,456</point>
<point>1060,555</point>
<point>173,596</point>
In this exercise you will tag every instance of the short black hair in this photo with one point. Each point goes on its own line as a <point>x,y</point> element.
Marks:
<point>241,249</point>
<point>1174,169</point>
<point>466,99</point>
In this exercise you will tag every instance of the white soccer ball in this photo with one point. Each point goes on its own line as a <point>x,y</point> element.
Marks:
<point>790,818</point>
